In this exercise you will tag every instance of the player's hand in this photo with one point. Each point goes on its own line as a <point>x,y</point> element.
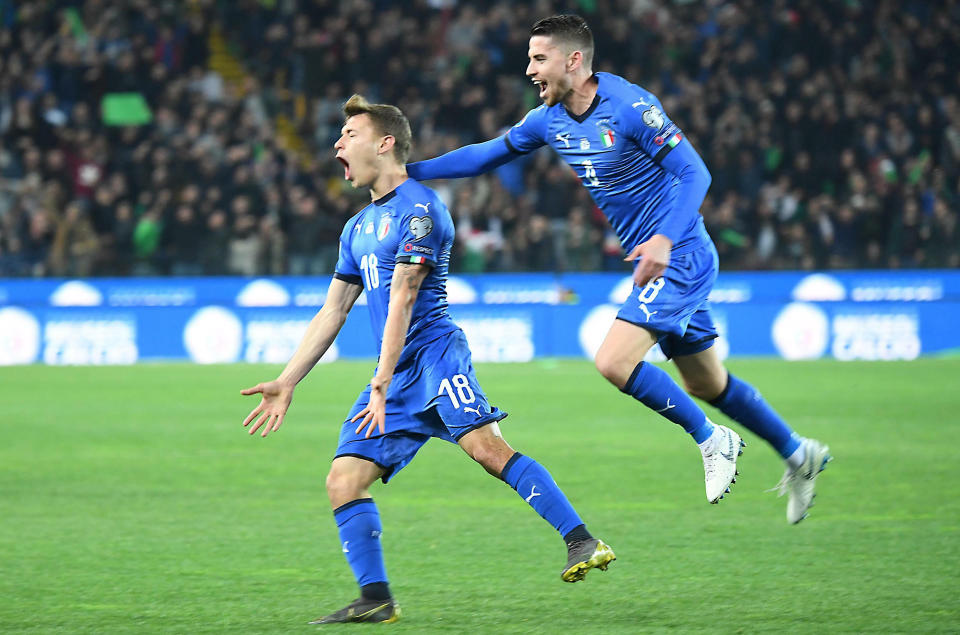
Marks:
<point>654,256</point>
<point>375,413</point>
<point>273,405</point>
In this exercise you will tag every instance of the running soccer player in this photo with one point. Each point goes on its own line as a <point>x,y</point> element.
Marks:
<point>397,249</point>
<point>649,181</point>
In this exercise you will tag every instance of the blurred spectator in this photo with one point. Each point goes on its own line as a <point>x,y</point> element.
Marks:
<point>537,245</point>
<point>118,244</point>
<point>183,238</point>
<point>726,224</point>
<point>314,239</point>
<point>74,244</point>
<point>146,242</point>
<point>581,243</point>
<point>216,247</point>
<point>244,246</point>
<point>944,241</point>
<point>272,244</point>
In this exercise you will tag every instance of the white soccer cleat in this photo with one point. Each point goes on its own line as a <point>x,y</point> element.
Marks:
<point>799,483</point>
<point>720,464</point>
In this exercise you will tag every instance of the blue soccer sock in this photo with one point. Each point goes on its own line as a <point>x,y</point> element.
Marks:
<point>654,388</point>
<point>358,523</point>
<point>535,485</point>
<point>744,404</point>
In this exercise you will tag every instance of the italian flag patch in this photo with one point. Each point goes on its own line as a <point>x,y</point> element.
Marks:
<point>674,140</point>
<point>606,137</point>
<point>417,260</point>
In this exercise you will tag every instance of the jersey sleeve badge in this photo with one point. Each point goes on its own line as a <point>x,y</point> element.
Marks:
<point>420,227</point>
<point>653,117</point>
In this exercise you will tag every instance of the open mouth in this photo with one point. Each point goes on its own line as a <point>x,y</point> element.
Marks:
<point>541,86</point>
<point>346,167</point>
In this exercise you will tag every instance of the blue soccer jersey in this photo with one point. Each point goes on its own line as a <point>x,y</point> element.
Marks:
<point>617,148</point>
<point>408,225</point>
<point>645,177</point>
<point>434,392</point>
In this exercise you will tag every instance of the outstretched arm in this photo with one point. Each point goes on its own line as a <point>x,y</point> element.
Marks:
<point>320,334</point>
<point>404,288</point>
<point>694,180</point>
<point>466,161</point>
<point>685,163</point>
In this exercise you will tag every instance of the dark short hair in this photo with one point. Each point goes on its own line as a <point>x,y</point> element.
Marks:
<point>387,119</point>
<point>571,30</point>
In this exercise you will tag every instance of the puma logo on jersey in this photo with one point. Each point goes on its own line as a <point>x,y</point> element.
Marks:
<point>647,312</point>
<point>565,137</point>
<point>425,206</point>
<point>469,409</point>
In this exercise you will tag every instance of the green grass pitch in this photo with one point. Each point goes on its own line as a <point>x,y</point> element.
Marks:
<point>131,500</point>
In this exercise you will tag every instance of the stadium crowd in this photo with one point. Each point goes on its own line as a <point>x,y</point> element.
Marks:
<point>832,130</point>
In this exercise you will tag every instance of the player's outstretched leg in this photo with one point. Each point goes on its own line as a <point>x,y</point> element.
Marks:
<point>805,458</point>
<point>534,484</point>
<point>358,523</point>
<point>705,377</point>
<point>719,446</point>
<point>620,361</point>
<point>798,483</point>
<point>538,489</point>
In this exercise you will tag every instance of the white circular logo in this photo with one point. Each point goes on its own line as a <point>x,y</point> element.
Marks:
<point>263,293</point>
<point>819,287</point>
<point>213,335</point>
<point>801,331</point>
<point>76,293</point>
<point>19,337</point>
<point>594,328</point>
<point>620,293</point>
<point>460,292</point>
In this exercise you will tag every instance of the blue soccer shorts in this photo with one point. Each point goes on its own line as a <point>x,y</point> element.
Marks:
<point>434,393</point>
<point>675,306</point>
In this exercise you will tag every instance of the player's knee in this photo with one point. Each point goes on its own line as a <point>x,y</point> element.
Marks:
<point>486,446</point>
<point>343,487</point>
<point>706,389</point>
<point>484,455</point>
<point>612,368</point>
<point>492,456</point>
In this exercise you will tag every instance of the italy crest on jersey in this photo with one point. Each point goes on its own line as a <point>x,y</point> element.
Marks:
<point>384,227</point>
<point>606,136</point>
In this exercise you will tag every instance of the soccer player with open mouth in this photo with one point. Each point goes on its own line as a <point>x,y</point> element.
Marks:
<point>649,181</point>
<point>397,250</point>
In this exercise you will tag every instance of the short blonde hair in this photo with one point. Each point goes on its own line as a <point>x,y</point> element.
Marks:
<point>387,119</point>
